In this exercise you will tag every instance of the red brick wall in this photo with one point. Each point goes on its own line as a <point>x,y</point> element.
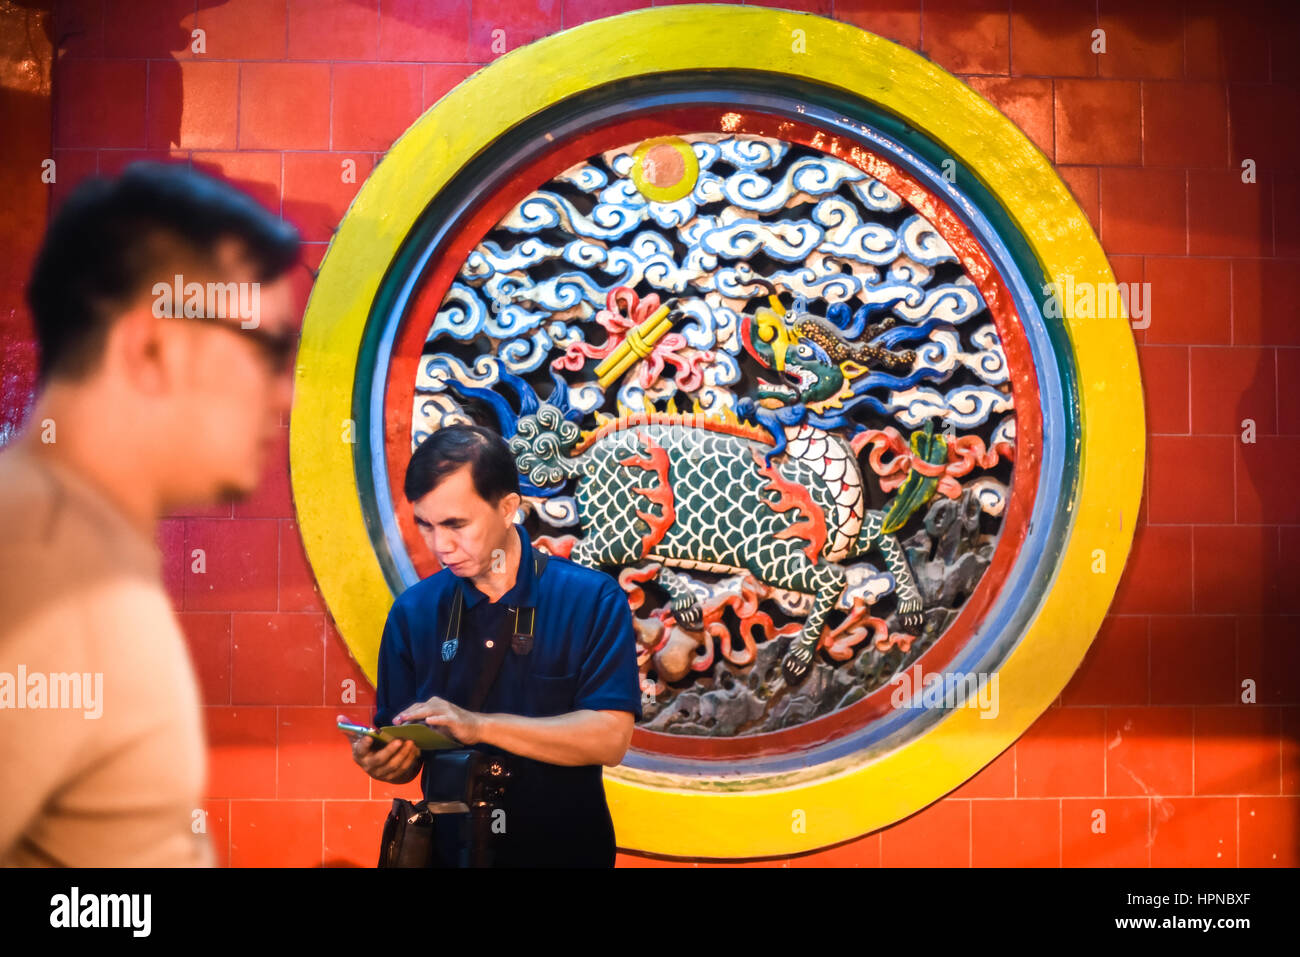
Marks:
<point>1150,137</point>
<point>26,57</point>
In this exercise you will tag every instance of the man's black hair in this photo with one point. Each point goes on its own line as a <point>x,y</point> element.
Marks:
<point>492,464</point>
<point>112,239</point>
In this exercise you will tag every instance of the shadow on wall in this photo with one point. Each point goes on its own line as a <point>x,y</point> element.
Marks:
<point>163,38</point>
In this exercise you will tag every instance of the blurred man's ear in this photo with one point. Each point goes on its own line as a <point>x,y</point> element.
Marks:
<point>136,343</point>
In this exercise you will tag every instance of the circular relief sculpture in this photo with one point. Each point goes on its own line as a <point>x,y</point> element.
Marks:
<point>775,338</point>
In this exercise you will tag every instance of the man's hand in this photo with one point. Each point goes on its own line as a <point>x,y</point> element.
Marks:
<point>440,714</point>
<point>395,763</point>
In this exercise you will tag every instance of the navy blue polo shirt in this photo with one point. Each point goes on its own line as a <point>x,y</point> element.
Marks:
<point>583,657</point>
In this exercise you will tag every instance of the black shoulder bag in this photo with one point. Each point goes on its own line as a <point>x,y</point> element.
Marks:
<point>452,828</point>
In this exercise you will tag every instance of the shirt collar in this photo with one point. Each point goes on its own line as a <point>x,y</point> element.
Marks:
<point>524,591</point>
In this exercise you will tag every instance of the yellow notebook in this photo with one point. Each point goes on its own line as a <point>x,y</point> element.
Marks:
<point>425,738</point>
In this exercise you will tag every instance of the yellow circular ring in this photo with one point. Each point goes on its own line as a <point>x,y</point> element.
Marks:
<point>666,194</point>
<point>667,814</point>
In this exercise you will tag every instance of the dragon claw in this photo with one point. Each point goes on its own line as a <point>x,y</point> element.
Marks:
<point>797,662</point>
<point>690,616</point>
<point>909,613</point>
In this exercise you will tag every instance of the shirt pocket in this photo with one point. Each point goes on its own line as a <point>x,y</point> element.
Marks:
<point>552,694</point>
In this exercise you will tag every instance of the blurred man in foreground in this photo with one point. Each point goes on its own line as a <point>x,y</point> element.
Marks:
<point>164,318</point>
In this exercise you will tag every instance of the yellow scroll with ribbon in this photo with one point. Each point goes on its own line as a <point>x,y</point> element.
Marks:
<point>638,344</point>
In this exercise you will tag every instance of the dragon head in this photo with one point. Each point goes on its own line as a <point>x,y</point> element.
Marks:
<point>809,371</point>
<point>809,351</point>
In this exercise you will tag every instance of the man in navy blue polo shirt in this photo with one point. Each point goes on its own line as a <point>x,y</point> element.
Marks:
<point>559,709</point>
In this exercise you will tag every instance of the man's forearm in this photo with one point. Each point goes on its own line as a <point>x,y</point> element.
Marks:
<point>576,738</point>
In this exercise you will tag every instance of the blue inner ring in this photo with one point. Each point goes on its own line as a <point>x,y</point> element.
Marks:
<point>1030,578</point>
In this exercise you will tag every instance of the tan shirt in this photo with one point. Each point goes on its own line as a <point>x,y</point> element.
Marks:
<point>114,775</point>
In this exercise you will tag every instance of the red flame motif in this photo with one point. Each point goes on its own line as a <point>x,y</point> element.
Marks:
<point>655,461</point>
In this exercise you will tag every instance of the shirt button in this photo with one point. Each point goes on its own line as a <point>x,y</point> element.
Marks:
<point>488,642</point>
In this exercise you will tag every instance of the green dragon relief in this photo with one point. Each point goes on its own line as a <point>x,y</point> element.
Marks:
<point>770,490</point>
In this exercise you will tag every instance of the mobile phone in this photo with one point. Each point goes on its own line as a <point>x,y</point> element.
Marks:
<point>379,737</point>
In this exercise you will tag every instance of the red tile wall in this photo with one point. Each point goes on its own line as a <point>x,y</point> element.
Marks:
<point>1150,737</point>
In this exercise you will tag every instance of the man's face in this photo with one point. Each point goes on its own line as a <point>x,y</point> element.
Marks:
<point>462,529</point>
<point>234,396</point>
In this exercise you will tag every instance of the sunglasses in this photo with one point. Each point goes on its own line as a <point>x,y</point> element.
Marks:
<point>278,349</point>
